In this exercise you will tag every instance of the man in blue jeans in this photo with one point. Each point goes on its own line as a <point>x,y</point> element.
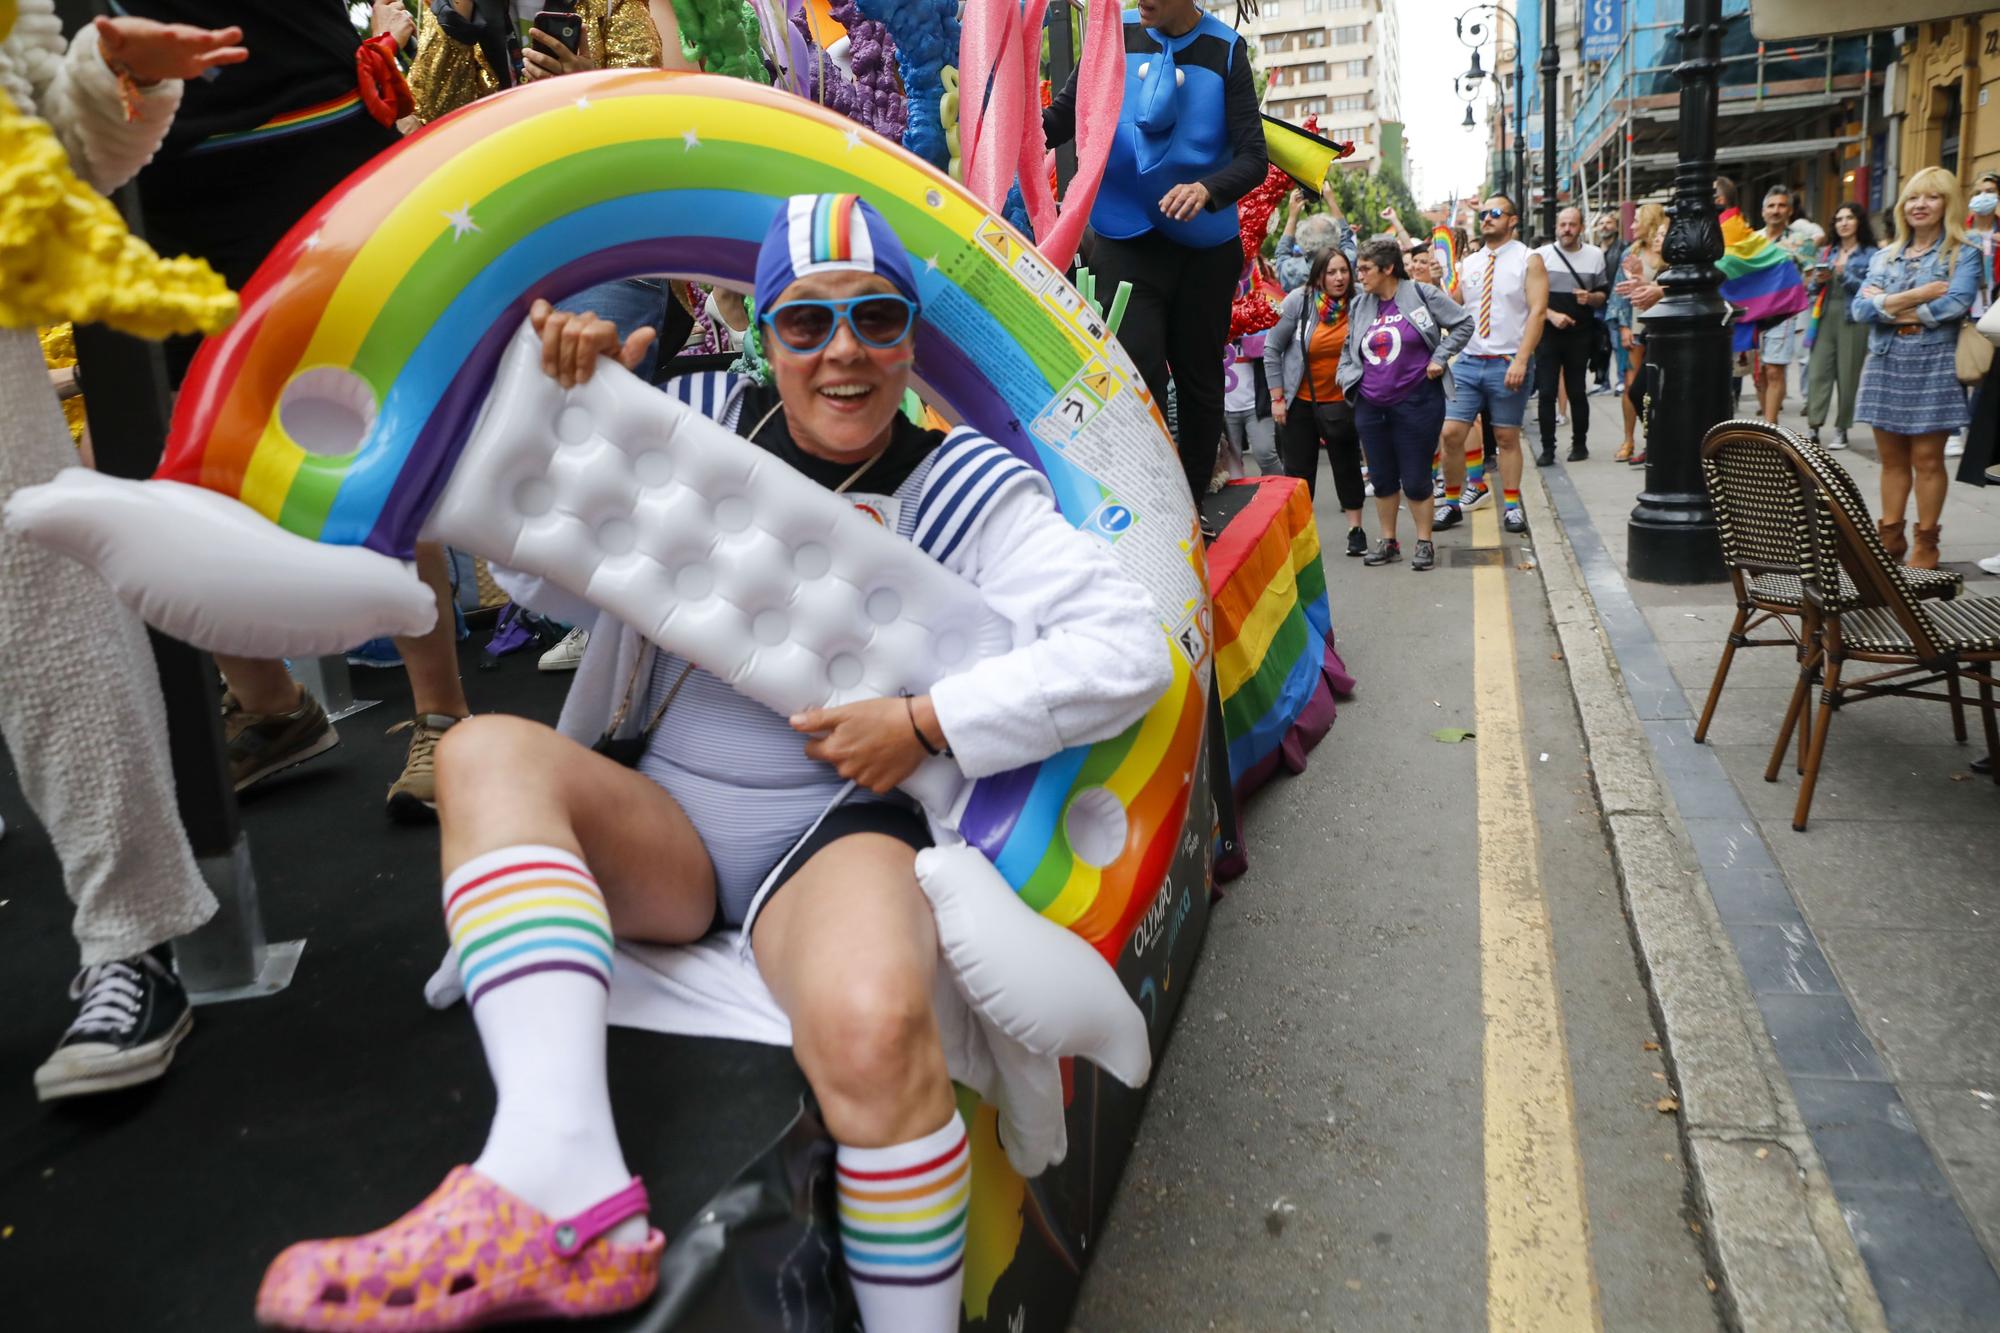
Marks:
<point>1506,289</point>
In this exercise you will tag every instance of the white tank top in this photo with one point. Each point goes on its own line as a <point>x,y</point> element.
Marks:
<point>1500,319</point>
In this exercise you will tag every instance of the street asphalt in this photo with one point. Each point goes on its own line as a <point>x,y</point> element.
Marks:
<point>1314,1153</point>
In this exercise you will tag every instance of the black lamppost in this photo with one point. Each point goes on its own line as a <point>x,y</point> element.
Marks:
<point>1672,536</point>
<point>1472,32</point>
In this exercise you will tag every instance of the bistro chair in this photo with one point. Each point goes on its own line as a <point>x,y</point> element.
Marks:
<point>1761,511</point>
<point>1921,641</point>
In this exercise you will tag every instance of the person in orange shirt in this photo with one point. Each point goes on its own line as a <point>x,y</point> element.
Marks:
<point>1302,365</point>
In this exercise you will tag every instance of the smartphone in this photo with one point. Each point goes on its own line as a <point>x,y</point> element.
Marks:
<point>561,22</point>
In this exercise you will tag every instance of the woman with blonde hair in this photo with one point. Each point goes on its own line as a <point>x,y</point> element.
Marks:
<point>1639,292</point>
<point>1916,295</point>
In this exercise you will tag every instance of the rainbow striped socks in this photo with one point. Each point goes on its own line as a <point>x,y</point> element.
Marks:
<point>523,911</point>
<point>902,1226</point>
<point>1510,498</point>
<point>1475,468</point>
<point>533,941</point>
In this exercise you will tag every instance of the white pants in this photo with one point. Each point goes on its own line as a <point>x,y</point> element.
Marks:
<point>80,707</point>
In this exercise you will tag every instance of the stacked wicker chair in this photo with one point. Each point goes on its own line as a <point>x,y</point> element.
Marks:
<point>1800,545</point>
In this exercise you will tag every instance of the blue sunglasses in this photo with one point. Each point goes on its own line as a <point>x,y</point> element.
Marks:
<point>877,320</point>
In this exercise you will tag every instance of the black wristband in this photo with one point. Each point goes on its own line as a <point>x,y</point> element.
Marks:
<point>910,707</point>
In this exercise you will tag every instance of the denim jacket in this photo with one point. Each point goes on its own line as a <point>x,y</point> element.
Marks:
<point>1293,265</point>
<point>1940,318</point>
<point>1847,281</point>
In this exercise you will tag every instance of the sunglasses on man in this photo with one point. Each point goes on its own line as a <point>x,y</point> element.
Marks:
<point>1496,213</point>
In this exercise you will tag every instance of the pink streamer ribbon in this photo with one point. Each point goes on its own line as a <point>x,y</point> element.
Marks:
<point>1000,114</point>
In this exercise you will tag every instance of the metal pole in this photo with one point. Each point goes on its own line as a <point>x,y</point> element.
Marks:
<point>1672,535</point>
<point>1551,65</point>
<point>1062,64</point>
<point>229,957</point>
<point>1520,193</point>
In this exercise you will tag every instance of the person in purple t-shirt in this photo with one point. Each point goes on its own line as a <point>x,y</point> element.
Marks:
<point>1402,334</point>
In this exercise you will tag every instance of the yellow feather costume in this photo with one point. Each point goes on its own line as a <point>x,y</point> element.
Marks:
<point>65,253</point>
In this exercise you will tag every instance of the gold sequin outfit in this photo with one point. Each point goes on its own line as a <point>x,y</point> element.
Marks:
<point>449,74</point>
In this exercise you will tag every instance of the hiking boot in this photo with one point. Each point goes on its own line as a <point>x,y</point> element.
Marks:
<point>1424,556</point>
<point>1386,550</point>
<point>132,1014</point>
<point>261,744</point>
<point>1578,453</point>
<point>413,796</point>
<point>1514,519</point>
<point>1357,542</point>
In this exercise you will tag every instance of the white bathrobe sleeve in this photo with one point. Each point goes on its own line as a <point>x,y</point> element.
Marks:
<point>78,95</point>
<point>1090,659</point>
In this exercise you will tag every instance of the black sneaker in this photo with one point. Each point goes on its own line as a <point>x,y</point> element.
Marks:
<point>1546,458</point>
<point>1514,518</point>
<point>1446,515</point>
<point>133,1013</point>
<point>1386,550</point>
<point>1424,556</point>
<point>1578,453</point>
<point>1357,542</point>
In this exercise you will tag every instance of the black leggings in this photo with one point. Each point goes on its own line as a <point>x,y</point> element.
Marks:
<point>1309,425</point>
<point>1178,316</point>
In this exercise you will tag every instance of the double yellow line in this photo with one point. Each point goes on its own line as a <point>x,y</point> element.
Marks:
<point>1538,1269</point>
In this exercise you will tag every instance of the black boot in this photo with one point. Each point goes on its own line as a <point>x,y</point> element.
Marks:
<point>1546,458</point>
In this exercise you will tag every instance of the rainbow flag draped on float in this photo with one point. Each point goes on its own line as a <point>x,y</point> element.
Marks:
<point>1758,277</point>
<point>1276,667</point>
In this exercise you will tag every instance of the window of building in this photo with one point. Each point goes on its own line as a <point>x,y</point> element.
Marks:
<point>1313,6</point>
<point>1273,8</point>
<point>1357,103</point>
<point>1316,38</point>
<point>1357,69</point>
<point>1349,35</point>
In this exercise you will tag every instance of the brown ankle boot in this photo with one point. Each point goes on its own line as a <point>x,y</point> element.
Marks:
<point>1925,556</point>
<point>1892,537</point>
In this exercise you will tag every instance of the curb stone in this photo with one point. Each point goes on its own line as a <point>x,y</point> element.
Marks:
<point>1782,1255</point>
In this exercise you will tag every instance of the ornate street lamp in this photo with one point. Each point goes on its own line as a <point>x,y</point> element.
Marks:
<point>1472,32</point>
<point>1672,536</point>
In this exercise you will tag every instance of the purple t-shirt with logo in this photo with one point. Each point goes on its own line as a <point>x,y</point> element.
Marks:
<point>1393,357</point>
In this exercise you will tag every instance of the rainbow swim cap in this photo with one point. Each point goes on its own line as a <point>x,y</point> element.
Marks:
<point>830,233</point>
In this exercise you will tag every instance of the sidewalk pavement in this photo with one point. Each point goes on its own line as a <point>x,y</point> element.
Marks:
<point>1867,941</point>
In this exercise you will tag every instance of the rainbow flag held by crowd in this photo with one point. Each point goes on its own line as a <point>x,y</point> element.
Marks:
<point>1758,277</point>
<point>1275,664</point>
<point>1444,244</point>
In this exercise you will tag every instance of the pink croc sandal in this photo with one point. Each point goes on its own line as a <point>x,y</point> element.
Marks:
<point>472,1254</point>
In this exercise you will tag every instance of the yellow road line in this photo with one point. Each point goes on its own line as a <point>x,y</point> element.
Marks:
<point>1538,1269</point>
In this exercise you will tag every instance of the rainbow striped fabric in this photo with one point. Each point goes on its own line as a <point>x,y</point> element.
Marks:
<point>1275,663</point>
<point>288,123</point>
<point>1758,276</point>
<point>523,911</point>
<point>1444,244</point>
<point>905,1225</point>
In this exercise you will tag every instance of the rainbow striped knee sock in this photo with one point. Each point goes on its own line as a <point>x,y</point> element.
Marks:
<point>1475,470</point>
<point>533,941</point>
<point>1510,498</point>
<point>902,1227</point>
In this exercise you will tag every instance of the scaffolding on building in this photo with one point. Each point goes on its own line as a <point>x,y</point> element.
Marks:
<point>1792,112</point>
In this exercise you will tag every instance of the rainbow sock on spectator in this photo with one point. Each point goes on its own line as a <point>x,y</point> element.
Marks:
<point>1511,498</point>
<point>1475,470</point>
<point>902,1227</point>
<point>524,911</point>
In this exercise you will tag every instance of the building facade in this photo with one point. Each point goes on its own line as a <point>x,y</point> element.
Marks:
<point>1945,99</point>
<point>1339,60</point>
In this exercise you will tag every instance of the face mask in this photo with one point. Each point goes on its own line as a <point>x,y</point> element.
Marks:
<point>1984,203</point>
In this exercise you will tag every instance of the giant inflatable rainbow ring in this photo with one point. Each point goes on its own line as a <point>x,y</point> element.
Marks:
<point>390,304</point>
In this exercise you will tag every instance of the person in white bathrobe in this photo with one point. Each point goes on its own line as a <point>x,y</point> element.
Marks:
<point>789,828</point>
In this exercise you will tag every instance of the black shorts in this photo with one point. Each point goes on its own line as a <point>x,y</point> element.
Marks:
<point>891,819</point>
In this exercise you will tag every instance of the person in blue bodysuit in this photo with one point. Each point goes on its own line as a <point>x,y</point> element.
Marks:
<point>1189,145</point>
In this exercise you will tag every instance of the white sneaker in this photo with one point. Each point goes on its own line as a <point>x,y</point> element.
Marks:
<point>1955,446</point>
<point>567,652</point>
<point>1839,440</point>
<point>1991,564</point>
